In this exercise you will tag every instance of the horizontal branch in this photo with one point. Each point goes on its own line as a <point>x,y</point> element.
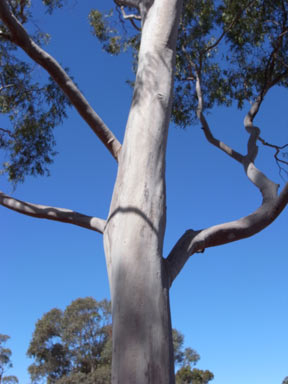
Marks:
<point>52,213</point>
<point>21,38</point>
<point>196,241</point>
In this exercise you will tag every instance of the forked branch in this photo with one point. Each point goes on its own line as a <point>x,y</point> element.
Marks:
<point>52,213</point>
<point>272,204</point>
<point>278,149</point>
<point>21,38</point>
<point>131,17</point>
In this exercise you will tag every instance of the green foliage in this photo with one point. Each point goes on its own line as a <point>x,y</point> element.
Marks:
<point>237,48</point>
<point>53,4</point>
<point>250,61</point>
<point>73,346</point>
<point>185,359</point>
<point>10,380</point>
<point>115,36</point>
<point>5,361</point>
<point>31,107</point>
<point>186,375</point>
<point>285,381</point>
<point>183,356</point>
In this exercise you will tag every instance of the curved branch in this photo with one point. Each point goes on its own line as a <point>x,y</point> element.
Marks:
<point>272,205</point>
<point>196,241</point>
<point>21,38</point>
<point>52,213</point>
<point>205,126</point>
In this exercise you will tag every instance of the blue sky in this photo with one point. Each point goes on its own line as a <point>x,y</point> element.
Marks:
<point>231,302</point>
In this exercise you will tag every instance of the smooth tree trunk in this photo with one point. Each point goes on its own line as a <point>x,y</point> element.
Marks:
<point>133,238</point>
<point>134,231</point>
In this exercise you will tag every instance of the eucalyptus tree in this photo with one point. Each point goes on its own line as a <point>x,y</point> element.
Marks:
<point>5,362</point>
<point>209,53</point>
<point>74,345</point>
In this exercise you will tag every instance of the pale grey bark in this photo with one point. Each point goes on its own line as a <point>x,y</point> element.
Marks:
<point>196,241</point>
<point>52,213</point>
<point>205,126</point>
<point>20,37</point>
<point>139,277</point>
<point>133,238</point>
<point>272,205</point>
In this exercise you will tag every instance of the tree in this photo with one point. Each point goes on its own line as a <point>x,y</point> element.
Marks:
<point>5,362</point>
<point>185,359</point>
<point>74,346</point>
<point>255,36</point>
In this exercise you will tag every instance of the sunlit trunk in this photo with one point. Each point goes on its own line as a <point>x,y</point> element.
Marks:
<point>142,341</point>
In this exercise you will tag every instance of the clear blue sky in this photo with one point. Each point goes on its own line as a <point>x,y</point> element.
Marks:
<point>231,302</point>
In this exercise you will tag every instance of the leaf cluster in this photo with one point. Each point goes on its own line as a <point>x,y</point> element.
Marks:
<point>185,359</point>
<point>238,49</point>
<point>5,361</point>
<point>112,31</point>
<point>73,345</point>
<point>186,375</point>
<point>32,105</point>
<point>53,4</point>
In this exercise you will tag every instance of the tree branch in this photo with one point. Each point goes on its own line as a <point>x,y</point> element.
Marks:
<point>52,213</point>
<point>21,38</point>
<point>131,18</point>
<point>196,241</point>
<point>205,126</point>
<point>9,133</point>
<point>277,148</point>
<point>272,204</point>
<point>231,25</point>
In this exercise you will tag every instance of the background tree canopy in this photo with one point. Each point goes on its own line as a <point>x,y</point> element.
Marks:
<point>74,346</point>
<point>5,362</point>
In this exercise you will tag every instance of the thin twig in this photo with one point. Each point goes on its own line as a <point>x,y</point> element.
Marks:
<point>231,25</point>
<point>8,132</point>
